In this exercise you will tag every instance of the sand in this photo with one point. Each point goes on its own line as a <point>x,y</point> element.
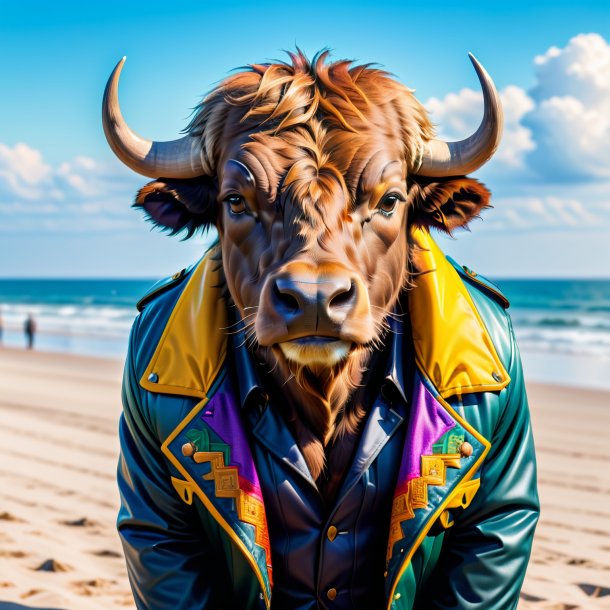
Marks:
<point>58,501</point>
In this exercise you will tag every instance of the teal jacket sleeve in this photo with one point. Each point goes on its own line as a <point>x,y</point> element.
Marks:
<point>169,559</point>
<point>485,554</point>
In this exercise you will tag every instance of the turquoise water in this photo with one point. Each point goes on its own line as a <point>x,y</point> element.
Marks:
<point>79,316</point>
<point>563,326</point>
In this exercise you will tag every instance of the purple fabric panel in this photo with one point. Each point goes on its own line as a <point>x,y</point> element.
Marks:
<point>428,421</point>
<point>221,414</point>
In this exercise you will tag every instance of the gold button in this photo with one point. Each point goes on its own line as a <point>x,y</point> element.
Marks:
<point>397,596</point>
<point>466,449</point>
<point>331,594</point>
<point>188,449</point>
<point>332,533</point>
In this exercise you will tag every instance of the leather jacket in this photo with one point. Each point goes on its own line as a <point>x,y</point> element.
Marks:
<point>192,518</point>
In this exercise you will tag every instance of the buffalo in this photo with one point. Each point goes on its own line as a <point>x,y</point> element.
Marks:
<point>318,177</point>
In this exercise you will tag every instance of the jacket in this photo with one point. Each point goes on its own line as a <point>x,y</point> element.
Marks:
<point>192,518</point>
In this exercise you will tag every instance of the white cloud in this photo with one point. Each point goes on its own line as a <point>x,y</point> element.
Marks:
<point>571,119</point>
<point>23,171</point>
<point>559,130</point>
<point>550,208</point>
<point>80,195</point>
<point>581,70</point>
<point>458,115</point>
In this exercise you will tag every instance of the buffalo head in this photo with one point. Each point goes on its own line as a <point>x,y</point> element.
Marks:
<point>313,174</point>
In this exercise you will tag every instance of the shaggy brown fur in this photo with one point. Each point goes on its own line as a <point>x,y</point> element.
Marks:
<point>351,101</point>
<point>313,148</point>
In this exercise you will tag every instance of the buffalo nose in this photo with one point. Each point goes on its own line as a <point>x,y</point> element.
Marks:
<point>331,296</point>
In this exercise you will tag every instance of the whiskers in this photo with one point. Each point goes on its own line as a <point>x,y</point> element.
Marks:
<point>389,314</point>
<point>245,326</point>
<point>249,334</point>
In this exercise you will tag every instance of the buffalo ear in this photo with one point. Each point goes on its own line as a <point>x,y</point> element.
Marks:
<point>179,205</point>
<point>447,204</point>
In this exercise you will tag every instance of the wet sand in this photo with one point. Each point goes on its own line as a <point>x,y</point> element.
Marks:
<point>58,500</point>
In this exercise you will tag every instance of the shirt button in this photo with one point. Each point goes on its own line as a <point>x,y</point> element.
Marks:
<point>332,534</point>
<point>331,594</point>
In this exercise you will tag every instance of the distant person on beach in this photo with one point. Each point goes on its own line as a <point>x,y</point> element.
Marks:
<point>30,330</point>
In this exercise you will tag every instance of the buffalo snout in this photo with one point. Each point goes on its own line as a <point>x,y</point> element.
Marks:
<point>310,303</point>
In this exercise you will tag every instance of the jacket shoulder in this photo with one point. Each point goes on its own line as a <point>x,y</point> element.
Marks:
<point>163,286</point>
<point>491,305</point>
<point>154,311</point>
<point>472,278</point>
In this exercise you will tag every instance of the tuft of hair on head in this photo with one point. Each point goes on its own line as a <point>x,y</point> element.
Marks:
<point>275,97</point>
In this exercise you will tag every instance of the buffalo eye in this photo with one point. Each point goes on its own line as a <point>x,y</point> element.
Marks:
<point>387,206</point>
<point>237,204</point>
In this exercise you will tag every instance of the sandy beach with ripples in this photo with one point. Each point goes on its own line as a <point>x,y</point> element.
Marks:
<point>58,500</point>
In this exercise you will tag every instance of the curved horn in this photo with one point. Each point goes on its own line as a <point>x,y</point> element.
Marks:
<point>176,159</point>
<point>440,159</point>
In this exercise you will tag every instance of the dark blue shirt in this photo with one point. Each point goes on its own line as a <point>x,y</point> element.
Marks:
<point>331,559</point>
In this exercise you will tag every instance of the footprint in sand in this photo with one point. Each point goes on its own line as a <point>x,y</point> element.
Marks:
<point>31,593</point>
<point>577,561</point>
<point>52,565</point>
<point>545,606</point>
<point>13,554</point>
<point>594,590</point>
<point>81,522</point>
<point>530,598</point>
<point>95,586</point>
<point>106,553</point>
<point>6,516</point>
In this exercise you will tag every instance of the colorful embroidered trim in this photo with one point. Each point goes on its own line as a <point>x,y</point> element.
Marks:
<point>450,442</point>
<point>228,484</point>
<point>415,494</point>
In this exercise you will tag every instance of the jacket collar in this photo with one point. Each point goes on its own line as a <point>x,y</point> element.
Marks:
<point>453,349</point>
<point>193,346</point>
<point>192,349</point>
<point>250,386</point>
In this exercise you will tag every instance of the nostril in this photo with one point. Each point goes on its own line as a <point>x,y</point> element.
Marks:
<point>285,300</point>
<point>344,297</point>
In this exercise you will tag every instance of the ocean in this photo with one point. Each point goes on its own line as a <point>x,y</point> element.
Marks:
<point>562,326</point>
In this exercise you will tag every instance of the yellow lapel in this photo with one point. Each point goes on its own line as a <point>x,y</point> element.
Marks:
<point>192,349</point>
<point>455,355</point>
<point>452,346</point>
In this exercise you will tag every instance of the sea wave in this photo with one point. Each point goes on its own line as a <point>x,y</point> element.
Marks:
<point>71,320</point>
<point>557,321</point>
<point>88,321</point>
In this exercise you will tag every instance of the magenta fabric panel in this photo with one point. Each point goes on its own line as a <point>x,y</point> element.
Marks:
<point>428,421</point>
<point>222,415</point>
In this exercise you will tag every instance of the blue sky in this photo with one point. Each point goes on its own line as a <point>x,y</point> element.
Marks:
<point>65,201</point>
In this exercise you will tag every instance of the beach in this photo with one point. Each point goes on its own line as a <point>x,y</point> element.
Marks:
<point>58,499</point>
